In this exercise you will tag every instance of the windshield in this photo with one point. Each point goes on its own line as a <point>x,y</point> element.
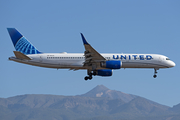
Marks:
<point>167,59</point>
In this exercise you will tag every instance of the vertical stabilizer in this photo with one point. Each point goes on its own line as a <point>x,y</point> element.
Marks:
<point>21,44</point>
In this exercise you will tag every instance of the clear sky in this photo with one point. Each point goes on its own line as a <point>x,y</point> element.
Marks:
<point>133,26</point>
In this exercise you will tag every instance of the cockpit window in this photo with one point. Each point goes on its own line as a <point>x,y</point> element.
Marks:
<point>167,59</point>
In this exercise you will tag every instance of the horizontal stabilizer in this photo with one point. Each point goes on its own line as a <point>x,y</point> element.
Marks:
<point>20,55</point>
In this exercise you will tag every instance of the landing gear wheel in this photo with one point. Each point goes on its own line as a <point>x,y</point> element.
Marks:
<point>86,78</point>
<point>154,76</point>
<point>155,72</point>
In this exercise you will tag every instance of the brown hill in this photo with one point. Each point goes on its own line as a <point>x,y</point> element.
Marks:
<point>99,103</point>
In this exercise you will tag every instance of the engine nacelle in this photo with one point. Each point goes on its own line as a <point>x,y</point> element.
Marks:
<point>104,72</point>
<point>111,64</point>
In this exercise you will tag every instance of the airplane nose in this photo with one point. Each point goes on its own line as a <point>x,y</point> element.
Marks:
<point>172,64</point>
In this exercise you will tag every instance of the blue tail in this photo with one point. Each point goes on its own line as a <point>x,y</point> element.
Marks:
<point>21,44</point>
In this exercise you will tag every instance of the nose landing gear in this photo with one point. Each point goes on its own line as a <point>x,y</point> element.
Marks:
<point>154,76</point>
<point>155,72</point>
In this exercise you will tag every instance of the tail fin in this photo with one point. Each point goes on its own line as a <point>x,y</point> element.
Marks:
<point>21,44</point>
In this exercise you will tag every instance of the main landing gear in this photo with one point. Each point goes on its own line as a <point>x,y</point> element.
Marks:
<point>90,74</point>
<point>88,77</point>
<point>155,72</point>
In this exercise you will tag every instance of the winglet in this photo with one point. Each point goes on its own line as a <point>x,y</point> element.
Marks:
<point>84,40</point>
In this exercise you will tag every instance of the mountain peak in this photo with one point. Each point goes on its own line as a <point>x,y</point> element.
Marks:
<point>98,91</point>
<point>102,91</point>
<point>100,88</point>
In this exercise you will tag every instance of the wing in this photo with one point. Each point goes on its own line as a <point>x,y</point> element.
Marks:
<point>92,57</point>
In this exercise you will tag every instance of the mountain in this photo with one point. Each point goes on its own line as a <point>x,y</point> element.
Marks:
<point>100,103</point>
<point>143,107</point>
<point>102,91</point>
<point>176,108</point>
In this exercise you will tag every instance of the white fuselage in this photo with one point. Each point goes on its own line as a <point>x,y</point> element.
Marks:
<point>91,60</point>
<point>76,60</point>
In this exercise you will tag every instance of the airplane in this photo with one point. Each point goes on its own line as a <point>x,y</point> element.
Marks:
<point>94,62</point>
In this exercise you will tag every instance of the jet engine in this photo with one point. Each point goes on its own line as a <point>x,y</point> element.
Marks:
<point>111,64</point>
<point>104,72</point>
